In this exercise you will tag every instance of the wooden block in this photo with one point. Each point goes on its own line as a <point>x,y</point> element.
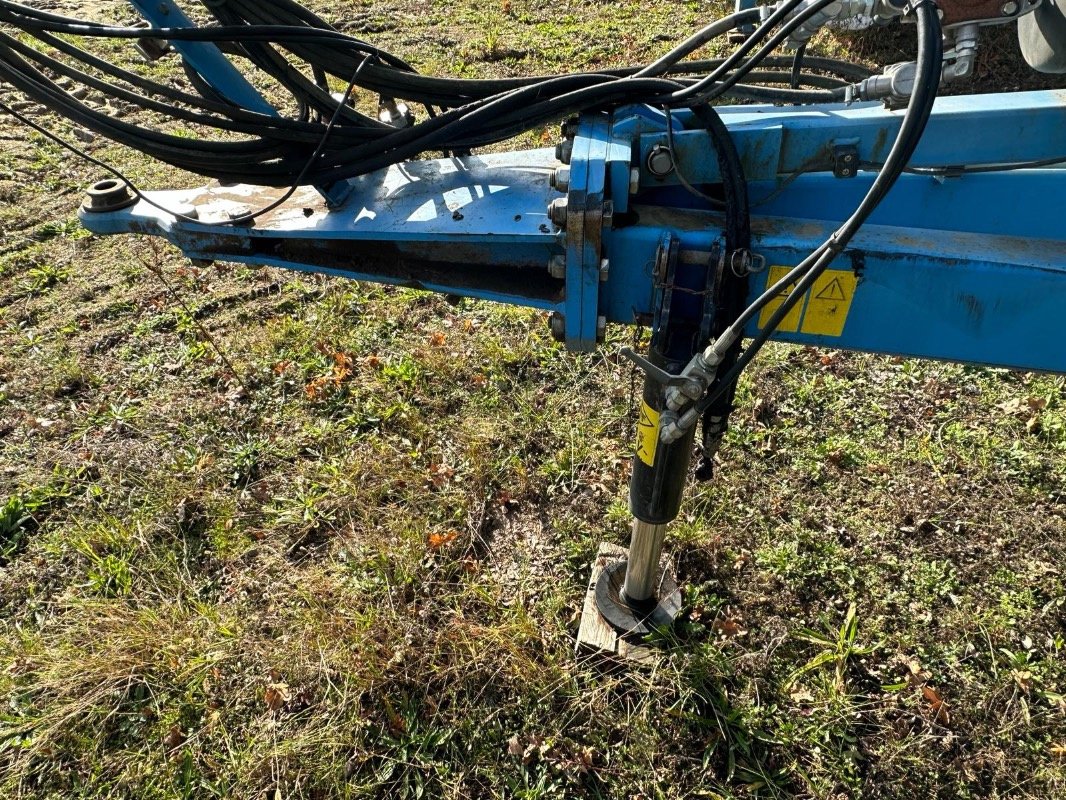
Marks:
<point>596,638</point>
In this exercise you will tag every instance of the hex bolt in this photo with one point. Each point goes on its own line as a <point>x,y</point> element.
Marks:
<point>557,266</point>
<point>601,328</point>
<point>557,211</point>
<point>1010,8</point>
<point>634,180</point>
<point>560,179</point>
<point>660,161</point>
<point>557,325</point>
<point>564,150</point>
<point>608,213</point>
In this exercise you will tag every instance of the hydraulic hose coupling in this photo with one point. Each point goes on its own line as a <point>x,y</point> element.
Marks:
<point>845,14</point>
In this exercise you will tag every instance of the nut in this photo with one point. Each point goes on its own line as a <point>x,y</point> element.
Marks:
<point>560,179</point>
<point>557,211</point>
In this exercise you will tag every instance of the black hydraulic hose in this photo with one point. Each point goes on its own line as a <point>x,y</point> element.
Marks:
<point>731,289</point>
<point>710,86</point>
<point>473,112</point>
<point>758,35</point>
<point>698,40</point>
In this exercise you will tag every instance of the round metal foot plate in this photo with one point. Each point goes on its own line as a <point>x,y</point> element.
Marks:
<point>634,618</point>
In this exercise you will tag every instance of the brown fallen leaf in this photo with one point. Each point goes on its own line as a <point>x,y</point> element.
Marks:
<point>936,704</point>
<point>276,695</point>
<point>439,540</point>
<point>1058,750</point>
<point>724,626</point>
<point>514,747</point>
<point>174,738</point>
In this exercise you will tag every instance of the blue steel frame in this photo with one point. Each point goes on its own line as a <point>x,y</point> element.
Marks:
<point>968,268</point>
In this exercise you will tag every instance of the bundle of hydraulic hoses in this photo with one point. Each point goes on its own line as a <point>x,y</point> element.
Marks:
<point>325,138</point>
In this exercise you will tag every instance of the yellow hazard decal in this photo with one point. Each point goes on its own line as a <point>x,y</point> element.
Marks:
<point>647,433</point>
<point>790,324</point>
<point>822,311</point>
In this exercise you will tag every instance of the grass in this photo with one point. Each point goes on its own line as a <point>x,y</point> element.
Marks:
<point>295,537</point>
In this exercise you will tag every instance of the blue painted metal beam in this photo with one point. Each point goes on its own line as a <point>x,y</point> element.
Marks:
<point>777,141</point>
<point>475,226</point>
<point>977,298</point>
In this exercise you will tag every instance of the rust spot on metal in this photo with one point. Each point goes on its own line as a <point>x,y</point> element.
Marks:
<point>956,11</point>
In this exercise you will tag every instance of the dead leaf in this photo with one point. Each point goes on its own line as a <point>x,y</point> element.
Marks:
<point>1024,679</point>
<point>439,540</point>
<point>1058,750</point>
<point>174,738</point>
<point>316,388</point>
<point>724,626</point>
<point>514,747</point>
<point>437,339</point>
<point>276,695</point>
<point>936,704</point>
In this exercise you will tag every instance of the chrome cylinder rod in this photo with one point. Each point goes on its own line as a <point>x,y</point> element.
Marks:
<point>642,568</point>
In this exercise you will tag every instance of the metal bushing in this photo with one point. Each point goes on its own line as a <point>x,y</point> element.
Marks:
<point>660,161</point>
<point>110,194</point>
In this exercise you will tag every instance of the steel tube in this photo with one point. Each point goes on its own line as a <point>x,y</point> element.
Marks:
<point>642,568</point>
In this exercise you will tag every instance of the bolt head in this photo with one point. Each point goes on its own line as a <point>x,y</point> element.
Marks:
<point>557,266</point>
<point>1010,8</point>
<point>564,150</point>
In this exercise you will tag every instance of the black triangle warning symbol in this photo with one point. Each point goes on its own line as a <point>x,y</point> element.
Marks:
<point>834,291</point>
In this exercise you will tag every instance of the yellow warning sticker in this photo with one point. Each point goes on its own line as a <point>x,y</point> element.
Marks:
<point>790,324</point>
<point>647,433</point>
<point>829,302</point>
<point>822,311</point>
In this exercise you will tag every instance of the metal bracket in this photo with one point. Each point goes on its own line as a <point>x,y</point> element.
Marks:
<point>845,160</point>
